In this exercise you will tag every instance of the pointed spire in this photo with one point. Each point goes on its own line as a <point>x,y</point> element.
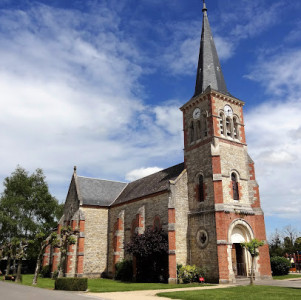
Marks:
<point>209,71</point>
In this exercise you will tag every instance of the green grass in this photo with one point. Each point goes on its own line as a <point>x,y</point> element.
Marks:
<point>289,276</point>
<point>238,293</point>
<point>107,285</point>
<point>45,283</point>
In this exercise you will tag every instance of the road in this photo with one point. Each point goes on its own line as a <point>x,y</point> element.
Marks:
<point>11,291</point>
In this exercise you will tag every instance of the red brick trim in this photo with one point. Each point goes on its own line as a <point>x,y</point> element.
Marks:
<point>80,249</point>
<point>172,264</point>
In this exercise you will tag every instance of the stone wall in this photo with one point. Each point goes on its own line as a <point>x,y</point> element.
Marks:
<point>147,210</point>
<point>95,247</point>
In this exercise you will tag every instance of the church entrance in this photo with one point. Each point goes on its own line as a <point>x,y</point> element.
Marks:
<point>238,260</point>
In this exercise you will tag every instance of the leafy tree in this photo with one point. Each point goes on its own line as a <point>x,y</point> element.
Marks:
<point>252,247</point>
<point>275,245</point>
<point>150,250</point>
<point>43,242</point>
<point>66,239</point>
<point>26,208</point>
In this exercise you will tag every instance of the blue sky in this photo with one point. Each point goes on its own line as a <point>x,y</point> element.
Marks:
<point>98,84</point>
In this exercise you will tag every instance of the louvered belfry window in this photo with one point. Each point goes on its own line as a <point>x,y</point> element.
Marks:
<point>235,187</point>
<point>201,189</point>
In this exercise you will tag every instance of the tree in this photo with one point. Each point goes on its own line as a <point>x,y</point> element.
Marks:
<point>43,242</point>
<point>150,250</point>
<point>275,244</point>
<point>252,247</point>
<point>26,208</point>
<point>66,239</point>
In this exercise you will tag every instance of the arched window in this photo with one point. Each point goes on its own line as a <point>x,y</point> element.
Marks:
<point>157,223</point>
<point>235,187</point>
<point>228,126</point>
<point>221,123</point>
<point>191,132</point>
<point>201,189</point>
<point>199,130</point>
<point>205,124</point>
<point>235,128</point>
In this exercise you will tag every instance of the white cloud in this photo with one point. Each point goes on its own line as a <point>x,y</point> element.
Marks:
<point>70,98</point>
<point>273,133</point>
<point>169,117</point>
<point>142,172</point>
<point>280,73</point>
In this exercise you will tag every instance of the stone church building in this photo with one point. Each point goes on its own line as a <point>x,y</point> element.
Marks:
<point>208,204</point>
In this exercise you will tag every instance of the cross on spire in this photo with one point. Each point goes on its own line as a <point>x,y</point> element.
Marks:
<point>204,6</point>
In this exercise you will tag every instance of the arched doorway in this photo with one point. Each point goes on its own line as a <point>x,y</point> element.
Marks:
<point>239,259</point>
<point>240,231</point>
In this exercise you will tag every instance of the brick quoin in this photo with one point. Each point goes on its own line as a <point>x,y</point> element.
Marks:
<point>69,258</point>
<point>172,264</point>
<point>252,171</point>
<point>216,165</point>
<point>80,248</point>
<point>218,192</point>
<point>223,262</point>
<point>55,260</point>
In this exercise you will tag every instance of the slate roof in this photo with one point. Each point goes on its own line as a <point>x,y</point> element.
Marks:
<point>98,192</point>
<point>209,72</point>
<point>151,184</point>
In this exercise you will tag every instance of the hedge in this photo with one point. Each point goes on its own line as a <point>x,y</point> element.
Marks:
<point>280,265</point>
<point>71,284</point>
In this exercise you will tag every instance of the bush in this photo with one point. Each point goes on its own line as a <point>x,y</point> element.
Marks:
<point>55,274</point>
<point>71,284</point>
<point>46,271</point>
<point>188,274</point>
<point>280,265</point>
<point>124,270</point>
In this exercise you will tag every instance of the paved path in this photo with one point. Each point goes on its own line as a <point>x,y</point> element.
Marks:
<point>151,295</point>
<point>11,291</point>
<point>20,292</point>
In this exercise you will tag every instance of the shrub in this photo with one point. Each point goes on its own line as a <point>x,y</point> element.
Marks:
<point>46,271</point>
<point>280,265</point>
<point>188,274</point>
<point>124,270</point>
<point>55,274</point>
<point>71,284</point>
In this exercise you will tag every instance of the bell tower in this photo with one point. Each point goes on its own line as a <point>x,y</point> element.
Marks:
<point>223,195</point>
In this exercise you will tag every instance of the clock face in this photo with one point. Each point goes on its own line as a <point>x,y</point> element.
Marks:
<point>196,113</point>
<point>228,111</point>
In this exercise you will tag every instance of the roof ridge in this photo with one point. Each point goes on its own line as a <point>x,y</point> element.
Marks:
<point>156,172</point>
<point>102,179</point>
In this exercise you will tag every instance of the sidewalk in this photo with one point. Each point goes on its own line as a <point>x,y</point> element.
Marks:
<point>151,294</point>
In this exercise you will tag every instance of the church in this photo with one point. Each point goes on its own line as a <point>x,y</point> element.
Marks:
<point>208,204</point>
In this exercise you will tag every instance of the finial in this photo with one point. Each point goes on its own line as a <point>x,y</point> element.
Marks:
<point>204,6</point>
<point>74,169</point>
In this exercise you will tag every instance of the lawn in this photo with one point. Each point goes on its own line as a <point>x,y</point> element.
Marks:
<point>107,285</point>
<point>289,276</point>
<point>238,293</point>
